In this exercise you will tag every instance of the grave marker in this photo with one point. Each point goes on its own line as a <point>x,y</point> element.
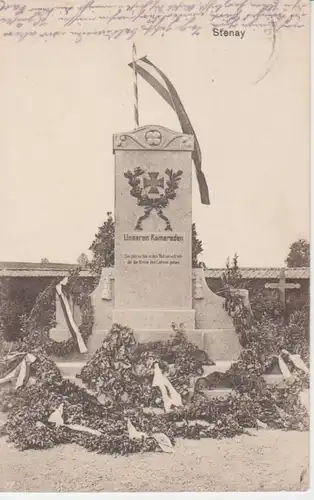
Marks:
<point>282,286</point>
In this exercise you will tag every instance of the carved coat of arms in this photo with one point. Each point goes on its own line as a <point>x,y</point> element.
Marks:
<point>153,192</point>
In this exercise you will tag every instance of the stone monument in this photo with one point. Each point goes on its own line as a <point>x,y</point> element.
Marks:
<point>153,283</point>
<point>153,218</point>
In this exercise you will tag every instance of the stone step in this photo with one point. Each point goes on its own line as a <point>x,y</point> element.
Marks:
<point>76,381</point>
<point>219,366</point>
<point>73,357</point>
<point>209,394</point>
<point>219,343</point>
<point>272,379</point>
<point>72,368</point>
<point>223,366</point>
<point>217,393</point>
<point>69,369</point>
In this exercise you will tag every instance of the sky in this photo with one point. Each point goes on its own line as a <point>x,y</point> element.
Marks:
<point>61,103</point>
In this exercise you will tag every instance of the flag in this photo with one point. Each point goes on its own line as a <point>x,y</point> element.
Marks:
<point>170,95</point>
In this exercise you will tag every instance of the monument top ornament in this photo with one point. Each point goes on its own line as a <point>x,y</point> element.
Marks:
<point>153,137</point>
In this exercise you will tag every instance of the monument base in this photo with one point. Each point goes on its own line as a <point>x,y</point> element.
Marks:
<point>151,319</point>
<point>220,344</point>
<point>207,324</point>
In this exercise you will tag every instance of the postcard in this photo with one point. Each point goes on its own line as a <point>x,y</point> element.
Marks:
<point>155,245</point>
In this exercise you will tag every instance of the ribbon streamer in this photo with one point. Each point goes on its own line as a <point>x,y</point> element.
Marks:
<point>169,395</point>
<point>22,370</point>
<point>69,318</point>
<point>169,93</point>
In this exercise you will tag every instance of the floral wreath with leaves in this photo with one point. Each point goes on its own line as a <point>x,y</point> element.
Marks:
<point>150,204</point>
<point>36,327</point>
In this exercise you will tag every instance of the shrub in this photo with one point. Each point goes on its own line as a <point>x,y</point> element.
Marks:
<point>17,297</point>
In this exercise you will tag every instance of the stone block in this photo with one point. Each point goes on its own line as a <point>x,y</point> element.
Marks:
<point>102,299</point>
<point>153,217</point>
<point>142,319</point>
<point>209,310</point>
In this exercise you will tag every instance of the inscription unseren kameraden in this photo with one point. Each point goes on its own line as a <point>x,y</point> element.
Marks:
<point>153,237</point>
<point>158,256</point>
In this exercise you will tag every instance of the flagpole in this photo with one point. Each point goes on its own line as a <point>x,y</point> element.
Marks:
<point>135,87</point>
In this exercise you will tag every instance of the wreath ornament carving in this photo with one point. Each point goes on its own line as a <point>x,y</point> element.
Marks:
<point>155,194</point>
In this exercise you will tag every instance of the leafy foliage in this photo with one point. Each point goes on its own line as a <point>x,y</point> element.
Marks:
<point>268,327</point>
<point>121,374</point>
<point>265,337</point>
<point>103,245</point>
<point>83,260</point>
<point>36,326</point>
<point>122,370</point>
<point>299,254</point>
<point>231,291</point>
<point>17,297</point>
<point>266,303</point>
<point>9,312</point>
<point>197,247</point>
<point>232,275</point>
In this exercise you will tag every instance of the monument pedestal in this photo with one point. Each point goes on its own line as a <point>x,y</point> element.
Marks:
<point>212,329</point>
<point>220,345</point>
<point>143,319</point>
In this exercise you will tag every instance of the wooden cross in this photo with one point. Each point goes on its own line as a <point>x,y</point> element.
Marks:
<point>282,286</point>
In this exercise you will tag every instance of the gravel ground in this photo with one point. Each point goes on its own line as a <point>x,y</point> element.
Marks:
<point>268,461</point>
